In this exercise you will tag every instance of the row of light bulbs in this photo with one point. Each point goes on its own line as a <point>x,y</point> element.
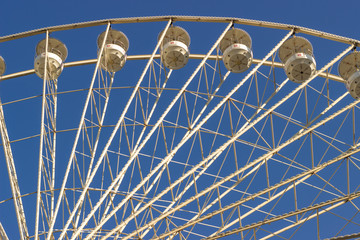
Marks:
<point>296,54</point>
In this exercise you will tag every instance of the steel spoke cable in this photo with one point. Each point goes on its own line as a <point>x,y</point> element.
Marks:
<point>276,196</point>
<point>210,162</point>
<point>288,121</point>
<point>208,205</point>
<point>50,231</point>
<point>210,114</point>
<point>279,194</point>
<point>302,132</point>
<point>120,176</point>
<point>333,204</point>
<point>139,138</point>
<point>42,133</point>
<point>309,172</point>
<point>91,173</point>
<point>120,120</point>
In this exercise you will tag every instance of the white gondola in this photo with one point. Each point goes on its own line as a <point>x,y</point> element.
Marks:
<point>57,53</point>
<point>175,48</point>
<point>297,56</point>
<point>114,55</point>
<point>236,49</point>
<point>349,70</point>
<point>2,66</point>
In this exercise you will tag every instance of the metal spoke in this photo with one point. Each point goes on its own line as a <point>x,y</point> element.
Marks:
<point>75,142</point>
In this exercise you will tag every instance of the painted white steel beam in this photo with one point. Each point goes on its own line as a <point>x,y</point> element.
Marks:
<point>104,152</point>
<point>304,174</point>
<point>3,235</point>
<point>230,141</point>
<point>336,202</point>
<point>136,151</point>
<point>82,120</point>
<point>10,164</point>
<point>195,129</point>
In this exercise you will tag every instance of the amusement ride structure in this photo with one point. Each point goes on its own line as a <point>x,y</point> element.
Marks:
<point>179,127</point>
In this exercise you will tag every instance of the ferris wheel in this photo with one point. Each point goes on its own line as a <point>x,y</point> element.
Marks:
<point>179,127</point>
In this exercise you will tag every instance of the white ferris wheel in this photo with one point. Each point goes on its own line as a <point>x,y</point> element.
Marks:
<point>179,127</point>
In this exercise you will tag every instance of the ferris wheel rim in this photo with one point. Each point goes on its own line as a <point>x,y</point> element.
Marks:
<point>183,18</point>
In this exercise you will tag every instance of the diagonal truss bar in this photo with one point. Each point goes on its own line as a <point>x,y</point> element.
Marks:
<point>62,190</point>
<point>309,172</point>
<point>10,164</point>
<point>120,120</point>
<point>107,208</point>
<point>135,153</point>
<point>152,111</point>
<point>247,126</point>
<point>289,187</point>
<point>205,167</point>
<point>93,152</point>
<point>336,202</point>
<point>3,235</point>
<point>254,168</point>
<point>163,169</point>
<point>209,100</point>
<point>192,131</point>
<point>139,139</point>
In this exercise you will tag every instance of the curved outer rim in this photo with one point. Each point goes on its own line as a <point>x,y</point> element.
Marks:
<point>175,18</point>
<point>242,21</point>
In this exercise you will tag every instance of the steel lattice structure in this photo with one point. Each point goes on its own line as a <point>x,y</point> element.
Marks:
<point>195,153</point>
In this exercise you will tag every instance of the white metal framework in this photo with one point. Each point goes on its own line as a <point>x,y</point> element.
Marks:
<point>124,145</point>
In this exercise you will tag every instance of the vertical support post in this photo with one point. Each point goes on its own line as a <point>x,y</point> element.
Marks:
<point>47,140</point>
<point>68,168</point>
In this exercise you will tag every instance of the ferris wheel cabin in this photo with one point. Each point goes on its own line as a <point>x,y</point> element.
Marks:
<point>297,56</point>
<point>236,49</point>
<point>175,47</point>
<point>56,53</point>
<point>114,55</point>
<point>349,70</point>
<point>2,66</point>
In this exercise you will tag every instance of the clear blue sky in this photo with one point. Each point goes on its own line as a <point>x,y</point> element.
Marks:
<point>338,17</point>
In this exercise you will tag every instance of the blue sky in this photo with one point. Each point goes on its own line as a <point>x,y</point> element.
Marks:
<point>338,17</point>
